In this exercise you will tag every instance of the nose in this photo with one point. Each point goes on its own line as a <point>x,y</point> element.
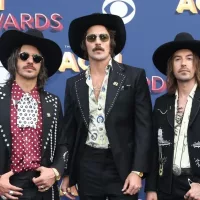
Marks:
<point>183,62</point>
<point>98,41</point>
<point>30,59</point>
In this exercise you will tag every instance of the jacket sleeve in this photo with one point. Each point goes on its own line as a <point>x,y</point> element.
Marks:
<point>69,124</point>
<point>143,125</point>
<point>61,152</point>
<point>152,178</point>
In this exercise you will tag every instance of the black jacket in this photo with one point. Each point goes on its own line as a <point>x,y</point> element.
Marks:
<point>127,119</point>
<point>52,112</point>
<point>163,117</point>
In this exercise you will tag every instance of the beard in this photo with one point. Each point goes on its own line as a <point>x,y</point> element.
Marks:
<point>184,79</point>
<point>27,74</point>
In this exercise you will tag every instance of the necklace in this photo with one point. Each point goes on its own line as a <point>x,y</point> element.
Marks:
<point>179,114</point>
<point>97,88</point>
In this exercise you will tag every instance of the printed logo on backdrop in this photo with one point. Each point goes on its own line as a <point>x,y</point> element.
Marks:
<point>188,5</point>
<point>124,8</point>
<point>2,3</point>
<point>39,21</point>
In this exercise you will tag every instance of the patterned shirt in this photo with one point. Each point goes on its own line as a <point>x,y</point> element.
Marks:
<point>97,136</point>
<point>26,140</point>
<point>181,120</point>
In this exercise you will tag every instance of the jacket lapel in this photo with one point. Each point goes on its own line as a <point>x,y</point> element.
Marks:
<point>195,106</point>
<point>171,110</point>
<point>83,97</point>
<point>47,119</point>
<point>116,79</point>
<point>5,103</point>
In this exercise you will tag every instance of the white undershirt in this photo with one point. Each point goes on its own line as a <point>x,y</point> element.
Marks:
<point>181,155</point>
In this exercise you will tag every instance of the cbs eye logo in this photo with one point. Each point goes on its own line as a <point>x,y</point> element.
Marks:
<point>124,8</point>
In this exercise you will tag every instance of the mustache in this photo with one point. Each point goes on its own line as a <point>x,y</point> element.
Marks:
<point>98,48</point>
<point>29,67</point>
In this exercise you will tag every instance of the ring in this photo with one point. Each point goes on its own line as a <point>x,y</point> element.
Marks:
<point>11,192</point>
<point>62,193</point>
<point>41,187</point>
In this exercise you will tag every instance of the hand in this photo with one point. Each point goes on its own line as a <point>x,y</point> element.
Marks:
<point>45,180</point>
<point>194,192</point>
<point>151,196</point>
<point>73,190</point>
<point>6,189</point>
<point>65,190</point>
<point>132,184</point>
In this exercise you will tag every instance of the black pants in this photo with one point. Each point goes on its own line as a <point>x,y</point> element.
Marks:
<point>30,190</point>
<point>180,187</point>
<point>98,177</point>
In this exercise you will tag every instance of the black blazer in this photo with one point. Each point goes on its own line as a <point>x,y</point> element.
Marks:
<point>127,119</point>
<point>163,119</point>
<point>51,111</point>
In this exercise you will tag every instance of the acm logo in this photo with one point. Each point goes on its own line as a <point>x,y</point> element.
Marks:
<point>188,5</point>
<point>2,4</point>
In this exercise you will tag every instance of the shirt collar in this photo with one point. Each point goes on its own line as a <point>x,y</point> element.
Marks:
<point>107,69</point>
<point>191,95</point>
<point>17,92</point>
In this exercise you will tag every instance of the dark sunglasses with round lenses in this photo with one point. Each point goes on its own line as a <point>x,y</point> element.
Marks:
<point>36,58</point>
<point>104,37</point>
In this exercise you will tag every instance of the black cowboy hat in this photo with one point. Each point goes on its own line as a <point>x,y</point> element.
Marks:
<point>79,26</point>
<point>165,51</point>
<point>13,39</point>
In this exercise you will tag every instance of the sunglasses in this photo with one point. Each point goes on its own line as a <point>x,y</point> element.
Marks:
<point>36,58</point>
<point>104,37</point>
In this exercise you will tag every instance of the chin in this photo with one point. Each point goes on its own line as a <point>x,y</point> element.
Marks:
<point>185,79</point>
<point>99,58</point>
<point>29,77</point>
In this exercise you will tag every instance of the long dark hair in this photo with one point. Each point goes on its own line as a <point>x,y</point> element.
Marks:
<point>112,43</point>
<point>12,66</point>
<point>171,79</point>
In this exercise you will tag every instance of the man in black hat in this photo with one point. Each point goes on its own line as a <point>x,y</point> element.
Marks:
<point>32,155</point>
<point>176,164</point>
<point>107,114</point>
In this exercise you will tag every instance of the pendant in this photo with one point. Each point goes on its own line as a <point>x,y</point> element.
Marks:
<point>176,170</point>
<point>161,170</point>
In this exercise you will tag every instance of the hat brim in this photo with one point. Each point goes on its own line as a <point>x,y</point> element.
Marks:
<point>13,39</point>
<point>79,26</point>
<point>165,51</point>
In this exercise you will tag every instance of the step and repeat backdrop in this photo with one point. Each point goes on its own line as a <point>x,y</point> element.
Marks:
<point>148,24</point>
